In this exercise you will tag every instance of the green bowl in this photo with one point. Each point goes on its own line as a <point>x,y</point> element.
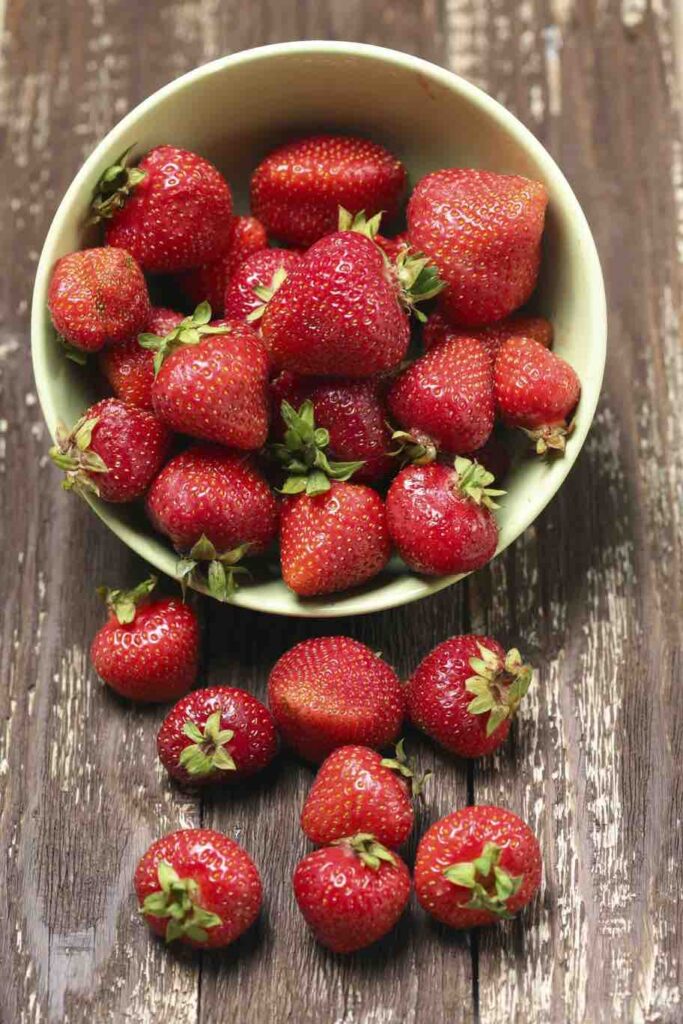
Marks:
<point>236,109</point>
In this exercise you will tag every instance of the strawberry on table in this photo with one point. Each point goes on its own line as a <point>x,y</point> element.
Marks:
<point>129,367</point>
<point>208,282</point>
<point>255,281</point>
<point>438,329</point>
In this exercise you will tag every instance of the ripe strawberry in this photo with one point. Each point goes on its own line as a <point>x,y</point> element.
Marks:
<point>114,451</point>
<point>440,519</point>
<point>465,693</point>
<point>198,886</point>
<point>218,734</point>
<point>537,391</point>
<point>438,329</point>
<point>129,368</point>
<point>169,212</point>
<point>255,281</point>
<point>147,650</point>
<point>331,691</point>
<point>358,790</point>
<point>208,282</point>
<point>297,190</point>
<point>97,296</point>
<point>483,232</point>
<point>351,893</point>
<point>477,866</point>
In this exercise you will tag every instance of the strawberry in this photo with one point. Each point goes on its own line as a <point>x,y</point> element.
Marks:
<point>148,650</point>
<point>199,887</point>
<point>351,893</point>
<point>297,190</point>
<point>477,866</point>
<point>97,297</point>
<point>483,232</point>
<point>438,329</point>
<point>440,518</point>
<point>465,693</point>
<point>129,368</point>
<point>208,282</point>
<point>211,380</point>
<point>358,790</point>
<point>114,451</point>
<point>536,390</point>
<point>255,281</point>
<point>447,396</point>
<point>215,506</point>
<point>169,212</point>
<point>331,691</point>
<point>218,734</point>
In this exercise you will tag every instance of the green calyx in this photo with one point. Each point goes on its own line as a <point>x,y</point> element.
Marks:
<point>189,331</point>
<point>550,440</point>
<point>473,482</point>
<point>367,849</point>
<point>72,454</point>
<point>265,294</point>
<point>303,455</point>
<point>419,280</point>
<point>207,753</point>
<point>76,355</point>
<point>221,568</point>
<point>403,767</point>
<point>358,222</point>
<point>413,448</point>
<point>114,187</point>
<point>177,900</point>
<point>123,603</point>
<point>498,686</point>
<point>491,886</point>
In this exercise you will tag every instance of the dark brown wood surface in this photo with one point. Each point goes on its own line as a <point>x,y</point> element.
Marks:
<point>592,591</point>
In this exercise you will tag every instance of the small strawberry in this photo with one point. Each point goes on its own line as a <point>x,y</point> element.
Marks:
<point>440,518</point>
<point>97,297</point>
<point>114,451</point>
<point>218,734</point>
<point>215,506</point>
<point>147,650</point>
<point>483,232</point>
<point>536,390</point>
<point>465,692</point>
<point>255,281</point>
<point>129,368</point>
<point>438,329</point>
<point>477,866</point>
<point>297,190</point>
<point>358,790</point>
<point>208,282</point>
<point>331,691</point>
<point>351,893</point>
<point>199,887</point>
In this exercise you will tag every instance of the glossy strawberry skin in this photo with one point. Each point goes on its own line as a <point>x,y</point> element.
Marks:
<point>175,218</point>
<point>483,232</point>
<point>333,541</point>
<point>438,329</point>
<point>346,904</point>
<point>153,658</point>
<point>353,792</point>
<point>228,881</point>
<point>533,387</point>
<point>217,390</point>
<point>329,692</point>
<point>209,281</point>
<point>338,313</point>
<point>461,836</point>
<point>98,297</point>
<point>298,189</point>
<point>252,748</point>
<point>436,530</point>
<point>257,271</point>
<point>129,367</point>
<point>209,491</point>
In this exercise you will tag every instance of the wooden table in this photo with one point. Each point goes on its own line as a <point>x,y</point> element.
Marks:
<point>591,592</point>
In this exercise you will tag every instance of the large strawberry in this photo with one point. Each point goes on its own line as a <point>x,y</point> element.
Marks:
<point>208,282</point>
<point>438,329</point>
<point>297,190</point>
<point>129,367</point>
<point>483,232</point>
<point>255,281</point>
<point>169,212</point>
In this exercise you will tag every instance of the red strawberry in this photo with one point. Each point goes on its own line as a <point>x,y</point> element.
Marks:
<point>208,282</point>
<point>255,281</point>
<point>438,329</point>
<point>537,391</point>
<point>215,506</point>
<point>331,691</point>
<point>465,693</point>
<point>447,395</point>
<point>297,190</point>
<point>114,451</point>
<point>129,367</point>
<point>483,232</point>
<point>351,893</point>
<point>198,886</point>
<point>169,212</point>
<point>218,734</point>
<point>97,296</point>
<point>476,866</point>
<point>358,790</point>
<point>147,650</point>
<point>392,247</point>
<point>440,518</point>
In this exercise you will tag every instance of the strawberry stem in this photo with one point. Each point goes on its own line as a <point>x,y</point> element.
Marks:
<point>207,752</point>
<point>498,686</point>
<point>114,187</point>
<point>473,482</point>
<point>550,439</point>
<point>177,900</point>
<point>72,454</point>
<point>221,568</point>
<point>189,331</point>
<point>303,454</point>
<point>367,849</point>
<point>491,886</point>
<point>123,603</point>
<point>403,767</point>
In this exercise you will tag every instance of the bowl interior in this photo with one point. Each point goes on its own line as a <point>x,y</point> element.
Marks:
<point>234,111</point>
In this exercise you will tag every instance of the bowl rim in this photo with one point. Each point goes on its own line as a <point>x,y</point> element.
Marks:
<point>351,603</point>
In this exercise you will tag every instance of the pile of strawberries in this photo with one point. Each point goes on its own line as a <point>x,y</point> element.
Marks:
<point>285,406</point>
